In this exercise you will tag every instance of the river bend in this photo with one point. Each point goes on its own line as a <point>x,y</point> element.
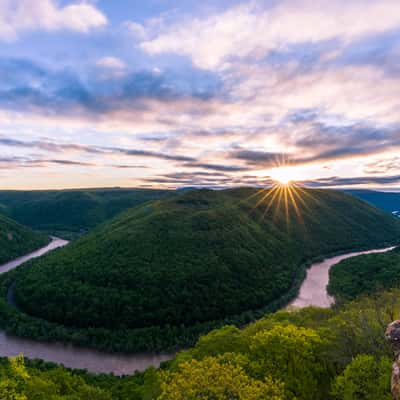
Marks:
<point>312,292</point>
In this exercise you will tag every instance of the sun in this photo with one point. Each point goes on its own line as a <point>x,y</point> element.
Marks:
<point>283,175</point>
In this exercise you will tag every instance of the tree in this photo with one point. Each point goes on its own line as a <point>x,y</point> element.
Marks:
<point>293,355</point>
<point>217,378</point>
<point>364,379</point>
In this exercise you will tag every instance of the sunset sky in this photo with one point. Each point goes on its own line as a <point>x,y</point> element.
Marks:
<point>172,93</point>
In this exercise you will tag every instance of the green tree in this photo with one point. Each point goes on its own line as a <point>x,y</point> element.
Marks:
<point>293,355</point>
<point>364,379</point>
<point>216,378</point>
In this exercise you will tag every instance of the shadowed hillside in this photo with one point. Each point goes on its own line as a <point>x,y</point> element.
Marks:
<point>72,211</point>
<point>17,240</point>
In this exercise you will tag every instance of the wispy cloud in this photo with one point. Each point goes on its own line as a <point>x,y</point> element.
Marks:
<point>27,162</point>
<point>67,147</point>
<point>336,181</point>
<point>18,16</point>
<point>383,166</point>
<point>250,30</point>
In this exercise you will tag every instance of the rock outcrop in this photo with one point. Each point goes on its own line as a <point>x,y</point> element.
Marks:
<point>393,336</point>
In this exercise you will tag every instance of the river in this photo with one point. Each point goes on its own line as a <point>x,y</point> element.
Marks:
<point>312,292</point>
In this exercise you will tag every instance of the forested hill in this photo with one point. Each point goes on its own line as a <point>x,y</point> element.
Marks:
<point>17,240</point>
<point>200,256</point>
<point>389,201</point>
<point>365,274</point>
<point>72,211</point>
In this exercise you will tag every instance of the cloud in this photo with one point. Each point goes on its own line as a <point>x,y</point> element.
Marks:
<point>67,162</point>
<point>13,162</point>
<point>263,159</point>
<point>336,181</point>
<point>314,140</point>
<point>26,162</point>
<point>209,180</point>
<point>216,167</point>
<point>384,166</point>
<point>135,29</point>
<point>111,63</point>
<point>312,84</point>
<point>65,147</point>
<point>126,166</point>
<point>111,87</point>
<point>250,30</point>
<point>111,68</point>
<point>22,15</point>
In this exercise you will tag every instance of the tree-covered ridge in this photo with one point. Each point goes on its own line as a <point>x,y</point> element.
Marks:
<point>17,240</point>
<point>201,256</point>
<point>72,211</point>
<point>365,274</point>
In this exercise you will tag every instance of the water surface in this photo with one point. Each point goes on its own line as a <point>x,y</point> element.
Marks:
<point>313,290</point>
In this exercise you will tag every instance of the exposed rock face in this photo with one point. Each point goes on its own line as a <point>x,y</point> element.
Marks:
<point>393,336</point>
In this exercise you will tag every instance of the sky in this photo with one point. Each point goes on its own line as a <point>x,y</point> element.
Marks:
<point>177,93</point>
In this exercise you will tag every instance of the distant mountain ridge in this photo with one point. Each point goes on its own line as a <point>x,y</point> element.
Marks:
<point>72,211</point>
<point>388,201</point>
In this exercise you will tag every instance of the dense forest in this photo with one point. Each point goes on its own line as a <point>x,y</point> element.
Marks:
<point>69,213</point>
<point>389,201</point>
<point>160,274</point>
<point>365,274</point>
<point>17,240</point>
<point>309,354</point>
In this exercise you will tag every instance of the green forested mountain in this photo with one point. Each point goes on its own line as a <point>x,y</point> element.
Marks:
<point>169,265</point>
<point>17,240</point>
<point>71,211</point>
<point>365,274</point>
<point>388,201</point>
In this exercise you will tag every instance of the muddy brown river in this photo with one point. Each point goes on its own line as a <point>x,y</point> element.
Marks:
<point>312,292</point>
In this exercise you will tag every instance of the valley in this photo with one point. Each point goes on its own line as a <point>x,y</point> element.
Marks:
<point>312,293</point>
<point>161,274</point>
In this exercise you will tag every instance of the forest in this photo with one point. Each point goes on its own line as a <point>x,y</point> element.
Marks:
<point>307,354</point>
<point>17,240</point>
<point>365,274</point>
<point>71,213</point>
<point>159,275</point>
